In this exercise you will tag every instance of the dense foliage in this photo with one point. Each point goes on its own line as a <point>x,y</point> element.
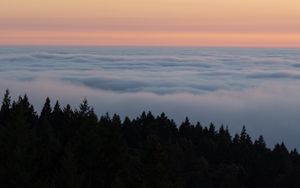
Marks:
<point>66,148</point>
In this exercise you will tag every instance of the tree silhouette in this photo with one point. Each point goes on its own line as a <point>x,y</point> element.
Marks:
<point>62,148</point>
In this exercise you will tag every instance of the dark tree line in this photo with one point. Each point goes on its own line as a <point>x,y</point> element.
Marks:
<point>66,148</point>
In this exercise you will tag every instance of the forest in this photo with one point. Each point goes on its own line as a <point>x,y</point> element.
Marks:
<point>62,147</point>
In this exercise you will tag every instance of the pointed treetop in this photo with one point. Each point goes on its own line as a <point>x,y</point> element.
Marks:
<point>199,126</point>
<point>67,108</point>
<point>187,121</point>
<point>116,120</point>
<point>126,122</point>
<point>143,116</point>
<point>46,111</point>
<point>294,152</point>
<point>56,107</point>
<point>84,106</point>
<point>261,140</point>
<point>6,100</point>
<point>212,129</point>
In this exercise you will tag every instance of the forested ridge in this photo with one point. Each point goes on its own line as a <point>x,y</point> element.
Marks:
<point>73,148</point>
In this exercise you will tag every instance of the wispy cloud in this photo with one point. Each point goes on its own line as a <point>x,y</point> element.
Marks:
<point>275,75</point>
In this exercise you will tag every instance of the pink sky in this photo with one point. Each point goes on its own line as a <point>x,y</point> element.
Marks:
<point>260,23</point>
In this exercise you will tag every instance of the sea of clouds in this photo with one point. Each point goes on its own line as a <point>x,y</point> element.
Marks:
<point>259,88</point>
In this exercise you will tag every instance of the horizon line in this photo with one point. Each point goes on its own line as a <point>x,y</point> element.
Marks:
<point>152,46</point>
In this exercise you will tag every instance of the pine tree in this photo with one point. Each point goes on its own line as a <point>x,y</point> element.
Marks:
<point>5,108</point>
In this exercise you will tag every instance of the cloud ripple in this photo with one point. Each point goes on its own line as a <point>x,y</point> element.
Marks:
<point>154,70</point>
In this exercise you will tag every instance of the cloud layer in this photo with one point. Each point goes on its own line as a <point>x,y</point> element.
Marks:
<point>154,70</point>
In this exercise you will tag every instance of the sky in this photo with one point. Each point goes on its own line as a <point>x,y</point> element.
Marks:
<point>255,23</point>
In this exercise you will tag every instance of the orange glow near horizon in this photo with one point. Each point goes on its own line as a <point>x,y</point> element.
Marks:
<point>273,23</point>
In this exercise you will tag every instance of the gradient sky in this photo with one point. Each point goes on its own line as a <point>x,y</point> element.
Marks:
<point>273,23</point>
